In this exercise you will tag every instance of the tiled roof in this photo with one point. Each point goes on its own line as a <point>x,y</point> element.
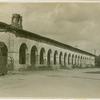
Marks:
<point>21,32</point>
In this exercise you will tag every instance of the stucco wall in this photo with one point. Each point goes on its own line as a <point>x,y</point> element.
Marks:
<point>14,42</point>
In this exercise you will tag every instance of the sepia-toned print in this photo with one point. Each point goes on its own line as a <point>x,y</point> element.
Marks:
<point>50,50</point>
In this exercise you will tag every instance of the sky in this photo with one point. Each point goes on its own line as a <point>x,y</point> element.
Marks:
<point>75,24</point>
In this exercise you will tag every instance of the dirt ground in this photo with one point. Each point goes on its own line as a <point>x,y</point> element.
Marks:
<point>75,83</point>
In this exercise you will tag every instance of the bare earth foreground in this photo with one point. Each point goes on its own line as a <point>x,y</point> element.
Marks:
<point>76,83</point>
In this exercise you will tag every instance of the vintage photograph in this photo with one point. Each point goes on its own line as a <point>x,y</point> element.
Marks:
<point>50,50</point>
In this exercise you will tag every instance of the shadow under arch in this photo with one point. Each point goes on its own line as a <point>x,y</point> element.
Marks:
<point>3,58</point>
<point>73,59</point>
<point>22,53</point>
<point>42,56</point>
<point>65,57</point>
<point>55,57</point>
<point>49,57</point>
<point>34,55</point>
<point>60,58</point>
<point>69,59</point>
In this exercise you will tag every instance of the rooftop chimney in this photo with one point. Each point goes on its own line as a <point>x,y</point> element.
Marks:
<point>17,21</point>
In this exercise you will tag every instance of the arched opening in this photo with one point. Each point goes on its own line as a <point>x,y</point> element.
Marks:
<point>86,60</point>
<point>73,59</point>
<point>55,57</point>
<point>78,60</point>
<point>49,57</point>
<point>3,58</point>
<point>81,61</point>
<point>65,56</point>
<point>22,53</point>
<point>60,58</point>
<point>69,57</point>
<point>33,55</point>
<point>42,56</point>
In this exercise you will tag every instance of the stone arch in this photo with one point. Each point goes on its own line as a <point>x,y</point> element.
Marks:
<point>3,58</point>
<point>49,57</point>
<point>55,57</point>
<point>3,49</point>
<point>78,60</point>
<point>42,56</point>
<point>69,57</point>
<point>65,57</point>
<point>90,61</point>
<point>34,55</point>
<point>73,59</point>
<point>87,60</point>
<point>23,53</point>
<point>81,60</point>
<point>60,58</point>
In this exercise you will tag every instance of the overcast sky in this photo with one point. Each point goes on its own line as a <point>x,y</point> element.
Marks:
<point>76,24</point>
